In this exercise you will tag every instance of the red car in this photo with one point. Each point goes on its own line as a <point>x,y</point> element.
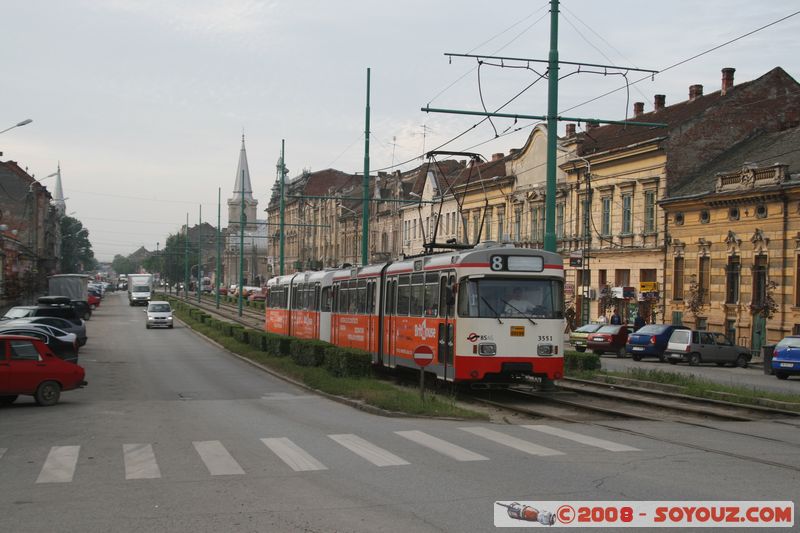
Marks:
<point>94,300</point>
<point>611,338</point>
<point>27,366</point>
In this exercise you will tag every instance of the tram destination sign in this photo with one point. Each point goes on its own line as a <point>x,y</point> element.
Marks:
<point>516,263</point>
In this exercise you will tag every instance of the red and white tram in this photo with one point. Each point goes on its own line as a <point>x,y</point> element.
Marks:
<point>487,313</point>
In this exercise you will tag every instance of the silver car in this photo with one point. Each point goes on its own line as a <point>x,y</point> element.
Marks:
<point>697,347</point>
<point>159,315</point>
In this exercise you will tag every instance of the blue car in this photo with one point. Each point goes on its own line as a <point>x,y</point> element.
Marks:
<point>786,357</point>
<point>650,341</point>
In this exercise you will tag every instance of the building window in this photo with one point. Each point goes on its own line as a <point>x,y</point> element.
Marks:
<point>733,213</point>
<point>517,224</point>
<point>650,211</point>
<point>585,207</point>
<point>476,226</point>
<point>605,227</point>
<point>701,323</point>
<point>489,225</point>
<point>730,330</point>
<point>559,220</point>
<point>537,227</point>
<point>414,232</point>
<point>705,216</point>
<point>704,278</point>
<point>602,279</point>
<point>584,278</point>
<point>797,282</point>
<point>501,215</point>
<point>627,214</point>
<point>732,279</point>
<point>679,219</point>
<point>760,280</point>
<point>677,279</point>
<point>622,277</point>
<point>761,211</point>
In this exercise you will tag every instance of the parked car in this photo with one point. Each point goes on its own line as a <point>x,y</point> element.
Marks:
<point>697,347</point>
<point>257,296</point>
<point>609,338</point>
<point>82,308</point>
<point>94,299</point>
<point>28,366</point>
<point>650,341</point>
<point>786,357</point>
<point>61,343</point>
<point>159,314</point>
<point>61,323</point>
<point>579,336</point>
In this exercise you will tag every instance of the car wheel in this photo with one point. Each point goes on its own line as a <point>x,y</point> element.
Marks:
<point>694,359</point>
<point>636,357</point>
<point>742,361</point>
<point>87,316</point>
<point>781,375</point>
<point>581,349</point>
<point>8,400</point>
<point>170,326</point>
<point>662,358</point>
<point>620,353</point>
<point>147,326</point>
<point>48,393</point>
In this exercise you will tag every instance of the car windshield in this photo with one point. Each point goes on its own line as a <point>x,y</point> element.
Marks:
<point>793,342</point>
<point>653,329</point>
<point>141,288</point>
<point>609,329</point>
<point>515,297</point>
<point>17,312</point>
<point>681,335</point>
<point>159,308</point>
<point>588,328</point>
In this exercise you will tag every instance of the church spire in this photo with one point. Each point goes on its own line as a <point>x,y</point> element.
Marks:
<point>243,176</point>
<point>58,195</point>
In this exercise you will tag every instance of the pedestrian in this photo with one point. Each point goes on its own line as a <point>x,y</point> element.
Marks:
<point>638,323</point>
<point>615,318</point>
<point>602,319</point>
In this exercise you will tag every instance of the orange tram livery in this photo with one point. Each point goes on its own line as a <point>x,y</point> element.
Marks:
<point>488,314</point>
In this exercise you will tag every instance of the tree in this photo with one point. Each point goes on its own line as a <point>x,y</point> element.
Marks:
<point>124,265</point>
<point>694,300</point>
<point>76,250</point>
<point>768,306</point>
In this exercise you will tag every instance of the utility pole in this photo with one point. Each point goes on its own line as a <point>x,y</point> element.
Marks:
<point>219,209</point>
<point>282,204</point>
<point>365,189</point>
<point>186,260</point>
<point>242,220</point>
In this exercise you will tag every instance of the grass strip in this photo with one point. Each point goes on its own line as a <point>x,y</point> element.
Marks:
<point>373,392</point>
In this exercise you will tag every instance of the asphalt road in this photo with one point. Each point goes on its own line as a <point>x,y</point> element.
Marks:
<point>174,434</point>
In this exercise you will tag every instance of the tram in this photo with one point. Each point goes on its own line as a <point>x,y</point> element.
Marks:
<point>488,314</point>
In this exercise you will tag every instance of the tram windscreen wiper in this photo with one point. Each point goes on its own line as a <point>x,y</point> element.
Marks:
<point>496,314</point>
<point>512,306</point>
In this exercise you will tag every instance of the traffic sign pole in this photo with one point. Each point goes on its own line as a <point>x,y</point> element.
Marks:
<point>423,355</point>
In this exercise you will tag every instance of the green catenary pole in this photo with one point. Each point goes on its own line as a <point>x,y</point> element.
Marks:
<point>242,219</point>
<point>219,233</point>
<point>186,260</point>
<point>365,190</point>
<point>552,133</point>
<point>282,205</point>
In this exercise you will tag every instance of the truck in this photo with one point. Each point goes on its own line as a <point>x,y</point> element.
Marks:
<point>140,288</point>
<point>73,286</point>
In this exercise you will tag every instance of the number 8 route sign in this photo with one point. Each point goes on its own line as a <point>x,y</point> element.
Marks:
<point>423,355</point>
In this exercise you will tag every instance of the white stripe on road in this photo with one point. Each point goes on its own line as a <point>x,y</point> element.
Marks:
<point>60,465</point>
<point>370,452</point>
<point>140,462</point>
<point>293,455</point>
<point>2,452</point>
<point>217,459</point>
<point>512,442</point>
<point>583,439</point>
<point>451,450</point>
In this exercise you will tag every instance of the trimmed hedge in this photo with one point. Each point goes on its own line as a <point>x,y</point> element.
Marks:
<point>306,352</point>
<point>347,362</point>
<point>578,361</point>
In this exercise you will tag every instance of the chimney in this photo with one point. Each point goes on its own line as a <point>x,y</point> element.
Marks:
<point>638,109</point>
<point>695,91</point>
<point>727,79</point>
<point>659,102</point>
<point>497,157</point>
<point>570,130</point>
<point>591,124</point>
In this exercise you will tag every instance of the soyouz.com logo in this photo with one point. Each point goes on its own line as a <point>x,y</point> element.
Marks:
<point>611,514</point>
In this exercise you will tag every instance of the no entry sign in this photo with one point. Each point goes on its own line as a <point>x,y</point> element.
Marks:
<point>423,355</point>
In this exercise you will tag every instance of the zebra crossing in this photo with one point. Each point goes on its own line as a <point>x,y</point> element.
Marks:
<point>141,461</point>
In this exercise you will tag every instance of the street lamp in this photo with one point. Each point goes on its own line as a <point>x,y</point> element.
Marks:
<point>18,124</point>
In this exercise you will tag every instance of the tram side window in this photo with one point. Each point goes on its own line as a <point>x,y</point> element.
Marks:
<point>326,300</point>
<point>370,297</point>
<point>295,299</point>
<point>343,297</point>
<point>432,294</point>
<point>417,295</point>
<point>362,296</point>
<point>315,305</point>
<point>403,295</point>
<point>337,295</point>
<point>388,294</point>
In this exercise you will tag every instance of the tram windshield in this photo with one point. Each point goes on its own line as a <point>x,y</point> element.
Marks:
<point>511,297</point>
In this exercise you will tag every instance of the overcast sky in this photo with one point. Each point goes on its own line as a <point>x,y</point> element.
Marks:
<point>144,102</point>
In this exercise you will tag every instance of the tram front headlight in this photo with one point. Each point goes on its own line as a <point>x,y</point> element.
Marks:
<point>487,348</point>
<point>546,349</point>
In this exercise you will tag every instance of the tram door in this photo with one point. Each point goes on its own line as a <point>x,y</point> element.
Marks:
<point>444,355</point>
<point>390,295</point>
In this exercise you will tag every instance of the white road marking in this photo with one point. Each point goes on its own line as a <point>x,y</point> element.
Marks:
<point>294,456</point>
<point>60,465</point>
<point>140,462</point>
<point>583,439</point>
<point>370,452</point>
<point>2,452</point>
<point>217,459</point>
<point>451,450</point>
<point>512,442</point>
